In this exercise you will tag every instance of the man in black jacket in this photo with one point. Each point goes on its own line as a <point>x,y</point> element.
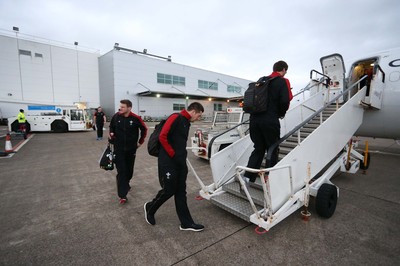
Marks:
<point>100,120</point>
<point>124,134</point>
<point>265,127</point>
<point>172,168</point>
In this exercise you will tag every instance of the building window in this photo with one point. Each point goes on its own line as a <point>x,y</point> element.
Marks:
<point>170,79</point>
<point>232,88</point>
<point>178,106</point>
<point>203,84</point>
<point>25,52</point>
<point>38,55</point>
<point>217,106</point>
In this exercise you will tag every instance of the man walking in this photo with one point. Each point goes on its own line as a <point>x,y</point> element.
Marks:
<point>124,134</point>
<point>265,127</point>
<point>100,120</point>
<point>172,168</point>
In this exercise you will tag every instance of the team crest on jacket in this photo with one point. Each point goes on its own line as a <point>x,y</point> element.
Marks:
<point>130,122</point>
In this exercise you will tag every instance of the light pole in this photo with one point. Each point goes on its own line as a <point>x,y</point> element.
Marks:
<point>16,30</point>
<point>77,68</point>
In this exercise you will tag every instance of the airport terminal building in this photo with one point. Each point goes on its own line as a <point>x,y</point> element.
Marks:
<point>37,71</point>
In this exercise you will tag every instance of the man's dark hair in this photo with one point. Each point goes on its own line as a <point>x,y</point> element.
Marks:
<point>196,106</point>
<point>280,66</point>
<point>127,102</point>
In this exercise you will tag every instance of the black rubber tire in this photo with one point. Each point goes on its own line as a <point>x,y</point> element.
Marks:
<point>326,200</point>
<point>59,126</point>
<point>362,167</point>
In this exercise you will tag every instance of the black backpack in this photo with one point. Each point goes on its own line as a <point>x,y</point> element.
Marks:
<point>153,145</point>
<point>255,98</point>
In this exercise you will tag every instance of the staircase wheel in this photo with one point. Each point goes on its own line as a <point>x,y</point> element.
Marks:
<point>362,167</point>
<point>326,200</point>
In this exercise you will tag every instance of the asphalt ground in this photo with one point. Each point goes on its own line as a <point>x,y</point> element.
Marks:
<point>59,208</point>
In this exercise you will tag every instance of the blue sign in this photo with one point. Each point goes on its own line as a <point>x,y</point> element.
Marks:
<point>42,107</point>
<point>58,110</point>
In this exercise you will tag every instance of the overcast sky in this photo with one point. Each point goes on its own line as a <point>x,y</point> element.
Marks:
<point>238,38</point>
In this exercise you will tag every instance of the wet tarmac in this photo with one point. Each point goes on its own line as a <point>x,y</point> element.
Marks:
<point>59,208</point>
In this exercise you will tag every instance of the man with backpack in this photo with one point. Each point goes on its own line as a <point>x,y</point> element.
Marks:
<point>265,127</point>
<point>172,168</point>
<point>124,134</point>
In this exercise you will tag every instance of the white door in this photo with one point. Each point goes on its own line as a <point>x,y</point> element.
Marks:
<point>377,87</point>
<point>333,67</point>
<point>77,120</point>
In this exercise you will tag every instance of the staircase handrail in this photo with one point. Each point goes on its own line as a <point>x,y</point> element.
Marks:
<point>307,88</point>
<point>383,73</point>
<point>276,144</point>
<point>327,77</point>
<point>222,133</point>
<point>247,121</point>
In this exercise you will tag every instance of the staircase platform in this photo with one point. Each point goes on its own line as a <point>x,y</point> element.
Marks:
<point>235,205</point>
<point>255,191</point>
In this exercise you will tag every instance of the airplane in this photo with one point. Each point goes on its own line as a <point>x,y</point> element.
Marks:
<point>381,117</point>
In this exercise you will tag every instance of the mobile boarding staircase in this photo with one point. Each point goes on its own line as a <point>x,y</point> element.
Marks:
<point>316,143</point>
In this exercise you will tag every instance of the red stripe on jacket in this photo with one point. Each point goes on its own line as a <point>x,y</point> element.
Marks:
<point>276,74</point>
<point>163,138</point>
<point>143,130</point>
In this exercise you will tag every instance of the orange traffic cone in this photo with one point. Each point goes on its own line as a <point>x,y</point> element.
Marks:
<point>8,147</point>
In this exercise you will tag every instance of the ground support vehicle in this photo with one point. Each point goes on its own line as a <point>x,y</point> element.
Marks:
<point>54,119</point>
<point>218,137</point>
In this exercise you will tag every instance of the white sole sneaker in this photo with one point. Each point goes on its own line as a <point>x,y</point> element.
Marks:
<point>190,229</point>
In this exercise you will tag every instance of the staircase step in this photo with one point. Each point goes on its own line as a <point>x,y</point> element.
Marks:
<point>311,125</point>
<point>294,139</point>
<point>235,205</point>
<point>303,135</point>
<point>307,130</point>
<point>284,150</point>
<point>255,191</point>
<point>289,144</point>
<point>331,108</point>
<point>326,114</point>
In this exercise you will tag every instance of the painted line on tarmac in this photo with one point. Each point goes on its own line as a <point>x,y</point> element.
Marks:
<point>19,145</point>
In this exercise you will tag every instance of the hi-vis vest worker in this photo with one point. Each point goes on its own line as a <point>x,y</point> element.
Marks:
<point>21,116</point>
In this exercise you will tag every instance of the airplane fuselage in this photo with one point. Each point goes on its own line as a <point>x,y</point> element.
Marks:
<point>384,122</point>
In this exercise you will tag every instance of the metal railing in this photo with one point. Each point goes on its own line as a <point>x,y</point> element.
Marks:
<point>248,121</point>
<point>222,133</point>
<point>265,185</point>
<point>293,131</point>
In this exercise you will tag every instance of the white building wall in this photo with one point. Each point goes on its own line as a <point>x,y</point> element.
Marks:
<point>10,85</point>
<point>135,73</point>
<point>48,75</point>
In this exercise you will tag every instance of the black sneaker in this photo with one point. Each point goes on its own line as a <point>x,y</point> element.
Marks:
<point>192,227</point>
<point>149,217</point>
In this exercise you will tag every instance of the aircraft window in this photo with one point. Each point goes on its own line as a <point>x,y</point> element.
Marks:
<point>394,76</point>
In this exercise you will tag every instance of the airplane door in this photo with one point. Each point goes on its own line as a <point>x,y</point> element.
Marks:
<point>377,87</point>
<point>333,66</point>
